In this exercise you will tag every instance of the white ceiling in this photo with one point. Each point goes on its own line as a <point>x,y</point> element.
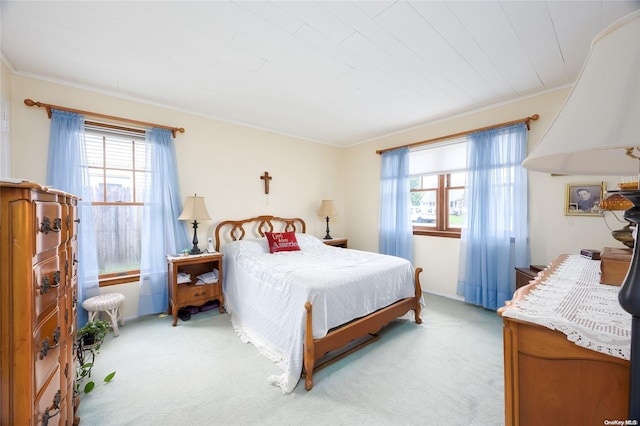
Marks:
<point>330,71</point>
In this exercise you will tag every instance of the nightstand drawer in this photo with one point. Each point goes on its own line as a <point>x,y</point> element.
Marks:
<point>194,293</point>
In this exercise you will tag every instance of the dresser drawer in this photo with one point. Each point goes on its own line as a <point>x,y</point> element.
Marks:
<point>65,234</point>
<point>72,301</point>
<point>66,408</point>
<point>46,348</point>
<point>62,267</point>
<point>46,401</point>
<point>48,225</point>
<point>47,279</point>
<point>72,258</point>
<point>72,211</point>
<point>193,293</point>
<point>64,306</point>
<point>66,370</point>
<point>68,306</point>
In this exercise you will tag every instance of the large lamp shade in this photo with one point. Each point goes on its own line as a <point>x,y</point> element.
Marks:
<point>601,117</point>
<point>194,209</point>
<point>327,208</point>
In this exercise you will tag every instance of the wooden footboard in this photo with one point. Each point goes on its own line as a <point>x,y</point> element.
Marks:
<point>315,349</point>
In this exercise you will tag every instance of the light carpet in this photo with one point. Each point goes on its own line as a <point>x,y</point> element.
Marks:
<point>446,371</point>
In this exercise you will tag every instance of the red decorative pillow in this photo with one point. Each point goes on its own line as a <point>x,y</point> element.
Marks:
<point>282,241</point>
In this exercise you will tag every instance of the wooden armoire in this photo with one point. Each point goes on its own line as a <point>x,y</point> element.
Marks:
<point>38,304</point>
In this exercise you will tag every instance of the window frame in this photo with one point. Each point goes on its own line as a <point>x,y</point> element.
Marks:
<point>442,227</point>
<point>134,135</point>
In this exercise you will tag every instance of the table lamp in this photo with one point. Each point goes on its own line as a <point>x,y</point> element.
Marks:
<point>613,203</point>
<point>597,133</point>
<point>195,210</point>
<point>327,209</point>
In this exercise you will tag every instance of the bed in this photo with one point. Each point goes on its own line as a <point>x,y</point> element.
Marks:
<point>304,308</point>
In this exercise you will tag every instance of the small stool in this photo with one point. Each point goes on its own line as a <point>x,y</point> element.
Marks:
<point>109,303</point>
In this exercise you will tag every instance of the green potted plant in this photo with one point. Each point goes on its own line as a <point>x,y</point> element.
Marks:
<point>88,341</point>
<point>93,332</point>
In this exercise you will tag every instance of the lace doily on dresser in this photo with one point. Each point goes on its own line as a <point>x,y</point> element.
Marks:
<point>572,300</point>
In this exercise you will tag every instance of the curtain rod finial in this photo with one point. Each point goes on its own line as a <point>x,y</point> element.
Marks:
<point>175,131</point>
<point>29,102</point>
<point>528,120</point>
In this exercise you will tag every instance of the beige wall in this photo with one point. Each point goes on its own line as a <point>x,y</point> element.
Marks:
<point>220,161</point>
<point>223,162</point>
<point>5,119</point>
<point>552,233</point>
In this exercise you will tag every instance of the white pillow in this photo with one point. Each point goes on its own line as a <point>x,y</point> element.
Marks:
<point>307,241</point>
<point>259,245</point>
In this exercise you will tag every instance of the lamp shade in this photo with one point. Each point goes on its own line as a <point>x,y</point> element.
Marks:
<point>327,209</point>
<point>194,209</point>
<point>615,202</point>
<point>601,116</point>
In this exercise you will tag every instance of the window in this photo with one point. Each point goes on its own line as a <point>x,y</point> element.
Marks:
<point>437,204</point>
<point>116,162</point>
<point>437,179</point>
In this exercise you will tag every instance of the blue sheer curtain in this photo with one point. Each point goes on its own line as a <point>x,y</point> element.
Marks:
<point>162,233</point>
<point>67,171</point>
<point>495,233</point>
<point>396,231</point>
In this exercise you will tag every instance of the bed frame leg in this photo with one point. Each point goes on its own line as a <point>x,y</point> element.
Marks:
<point>418,295</point>
<point>309,352</point>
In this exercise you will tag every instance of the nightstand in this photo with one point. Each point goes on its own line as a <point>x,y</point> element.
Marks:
<point>614,265</point>
<point>337,242</point>
<point>190,293</point>
<point>525,275</point>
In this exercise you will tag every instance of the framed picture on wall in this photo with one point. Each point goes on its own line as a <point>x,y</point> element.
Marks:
<point>581,199</point>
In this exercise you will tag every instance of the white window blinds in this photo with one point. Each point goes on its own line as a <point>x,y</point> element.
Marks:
<point>439,158</point>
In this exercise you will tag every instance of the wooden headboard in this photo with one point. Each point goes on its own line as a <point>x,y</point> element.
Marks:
<point>233,230</point>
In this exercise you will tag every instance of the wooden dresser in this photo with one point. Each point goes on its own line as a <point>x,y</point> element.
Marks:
<point>551,380</point>
<point>38,304</point>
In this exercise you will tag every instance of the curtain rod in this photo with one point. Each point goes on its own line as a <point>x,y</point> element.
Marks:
<point>525,120</point>
<point>49,107</point>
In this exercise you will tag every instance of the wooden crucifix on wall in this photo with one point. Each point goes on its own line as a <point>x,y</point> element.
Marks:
<point>266,179</point>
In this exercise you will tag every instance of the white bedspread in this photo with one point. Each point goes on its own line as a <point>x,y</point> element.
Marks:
<point>265,294</point>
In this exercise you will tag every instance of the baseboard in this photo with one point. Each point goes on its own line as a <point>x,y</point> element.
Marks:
<point>448,296</point>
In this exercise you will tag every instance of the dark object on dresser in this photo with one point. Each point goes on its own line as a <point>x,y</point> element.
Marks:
<point>524,275</point>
